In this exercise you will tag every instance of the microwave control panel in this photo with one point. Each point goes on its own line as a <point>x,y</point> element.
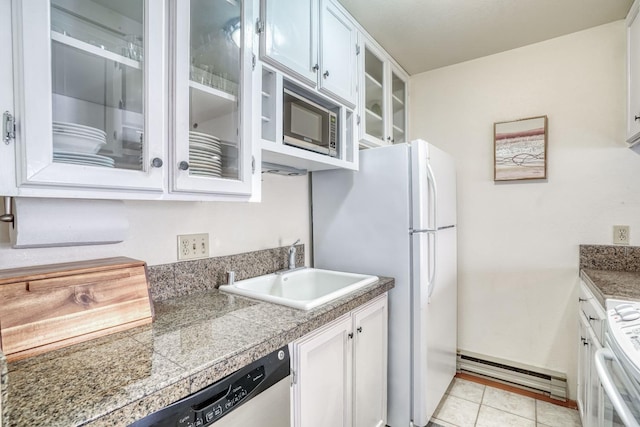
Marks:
<point>332,132</point>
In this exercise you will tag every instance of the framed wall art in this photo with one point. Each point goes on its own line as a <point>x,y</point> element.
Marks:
<point>520,149</point>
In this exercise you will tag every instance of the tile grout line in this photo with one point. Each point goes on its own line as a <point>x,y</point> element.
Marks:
<point>484,389</point>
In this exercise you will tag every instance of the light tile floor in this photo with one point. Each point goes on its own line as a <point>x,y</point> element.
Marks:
<point>469,404</point>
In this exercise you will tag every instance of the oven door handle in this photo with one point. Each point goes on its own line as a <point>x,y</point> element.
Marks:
<point>606,380</point>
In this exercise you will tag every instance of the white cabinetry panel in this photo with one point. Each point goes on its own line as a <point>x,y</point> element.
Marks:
<point>633,75</point>
<point>340,371</point>
<point>290,36</point>
<point>338,59</point>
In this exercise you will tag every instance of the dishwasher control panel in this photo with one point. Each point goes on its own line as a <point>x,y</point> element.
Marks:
<point>217,406</point>
<point>208,405</point>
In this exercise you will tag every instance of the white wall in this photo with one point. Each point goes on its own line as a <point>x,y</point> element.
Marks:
<point>518,241</point>
<point>280,219</point>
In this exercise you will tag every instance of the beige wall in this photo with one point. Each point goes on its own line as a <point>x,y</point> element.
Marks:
<point>518,242</point>
<point>281,218</point>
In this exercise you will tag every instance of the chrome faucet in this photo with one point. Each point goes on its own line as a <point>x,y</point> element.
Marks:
<point>292,255</point>
<point>231,277</point>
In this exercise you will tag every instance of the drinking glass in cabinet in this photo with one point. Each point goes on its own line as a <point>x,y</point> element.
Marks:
<point>97,54</point>
<point>215,46</point>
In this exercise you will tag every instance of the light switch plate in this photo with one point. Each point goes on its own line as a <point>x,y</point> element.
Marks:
<point>192,246</point>
<point>620,234</point>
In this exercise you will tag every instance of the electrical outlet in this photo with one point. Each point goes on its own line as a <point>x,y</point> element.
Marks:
<point>620,234</point>
<point>191,246</point>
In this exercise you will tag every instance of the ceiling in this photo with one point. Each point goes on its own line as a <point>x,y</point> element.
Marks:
<point>426,34</point>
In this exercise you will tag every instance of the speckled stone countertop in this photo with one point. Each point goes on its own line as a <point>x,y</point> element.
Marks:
<point>624,285</point>
<point>194,340</point>
<point>611,271</point>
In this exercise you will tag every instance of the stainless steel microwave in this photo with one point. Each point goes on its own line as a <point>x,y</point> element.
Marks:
<point>309,125</point>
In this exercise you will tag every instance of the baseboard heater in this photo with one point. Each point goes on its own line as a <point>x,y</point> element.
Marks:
<point>534,379</point>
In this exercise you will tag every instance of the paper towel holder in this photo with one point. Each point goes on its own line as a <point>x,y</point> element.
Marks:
<point>7,216</point>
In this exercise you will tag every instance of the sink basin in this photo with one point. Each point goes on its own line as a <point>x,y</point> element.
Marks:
<point>303,289</point>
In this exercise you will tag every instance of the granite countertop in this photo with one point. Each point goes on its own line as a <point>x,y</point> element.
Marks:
<point>194,341</point>
<point>606,284</point>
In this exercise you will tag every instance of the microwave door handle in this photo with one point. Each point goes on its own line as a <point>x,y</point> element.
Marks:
<point>621,408</point>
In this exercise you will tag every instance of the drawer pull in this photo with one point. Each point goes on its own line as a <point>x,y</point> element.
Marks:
<point>583,299</point>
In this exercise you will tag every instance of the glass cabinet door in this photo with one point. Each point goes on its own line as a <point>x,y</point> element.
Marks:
<point>398,113</point>
<point>374,89</point>
<point>210,151</point>
<point>91,81</point>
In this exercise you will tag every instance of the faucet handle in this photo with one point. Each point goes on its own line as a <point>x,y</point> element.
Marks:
<point>294,244</point>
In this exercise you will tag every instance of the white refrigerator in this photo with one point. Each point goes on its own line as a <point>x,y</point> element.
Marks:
<point>396,217</point>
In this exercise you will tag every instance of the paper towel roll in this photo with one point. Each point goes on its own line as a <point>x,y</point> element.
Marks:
<point>67,222</point>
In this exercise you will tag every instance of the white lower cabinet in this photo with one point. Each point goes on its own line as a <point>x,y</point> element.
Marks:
<point>590,335</point>
<point>340,371</point>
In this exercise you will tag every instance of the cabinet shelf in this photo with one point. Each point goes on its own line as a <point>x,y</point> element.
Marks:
<point>266,95</point>
<point>397,100</point>
<point>266,119</point>
<point>94,50</point>
<point>372,80</point>
<point>373,115</point>
<point>398,129</point>
<point>208,103</point>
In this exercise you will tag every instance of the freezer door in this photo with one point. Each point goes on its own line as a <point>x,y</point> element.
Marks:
<point>433,187</point>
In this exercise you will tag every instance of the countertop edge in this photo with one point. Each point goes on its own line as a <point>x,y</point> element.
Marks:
<point>595,290</point>
<point>155,401</point>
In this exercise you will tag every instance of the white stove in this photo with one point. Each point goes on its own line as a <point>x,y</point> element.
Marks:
<point>618,365</point>
<point>623,326</point>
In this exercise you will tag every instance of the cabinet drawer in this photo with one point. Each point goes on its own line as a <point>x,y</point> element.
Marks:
<point>592,311</point>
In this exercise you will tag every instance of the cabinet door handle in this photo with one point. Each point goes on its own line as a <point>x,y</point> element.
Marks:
<point>592,318</point>
<point>183,166</point>
<point>636,118</point>
<point>326,74</point>
<point>350,335</point>
<point>156,162</point>
<point>582,299</point>
<point>316,67</point>
<point>359,329</point>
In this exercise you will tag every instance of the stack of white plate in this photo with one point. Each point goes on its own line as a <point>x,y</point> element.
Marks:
<point>205,155</point>
<point>78,145</point>
<point>86,159</point>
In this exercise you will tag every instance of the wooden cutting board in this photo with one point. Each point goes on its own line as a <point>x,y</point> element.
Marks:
<point>47,307</point>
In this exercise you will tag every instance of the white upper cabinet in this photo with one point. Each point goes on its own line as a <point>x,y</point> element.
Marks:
<point>338,63</point>
<point>143,99</point>
<point>88,82</point>
<point>633,76</point>
<point>289,37</point>
<point>211,149</point>
<point>383,98</point>
<point>314,42</point>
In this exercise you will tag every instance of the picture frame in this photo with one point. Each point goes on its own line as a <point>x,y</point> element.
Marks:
<point>520,149</point>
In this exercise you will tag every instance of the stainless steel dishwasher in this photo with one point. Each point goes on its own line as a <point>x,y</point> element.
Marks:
<point>256,395</point>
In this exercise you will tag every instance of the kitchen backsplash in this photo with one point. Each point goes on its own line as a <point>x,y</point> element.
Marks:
<point>186,277</point>
<point>608,257</point>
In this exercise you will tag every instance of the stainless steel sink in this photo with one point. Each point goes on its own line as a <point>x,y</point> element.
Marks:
<point>303,289</point>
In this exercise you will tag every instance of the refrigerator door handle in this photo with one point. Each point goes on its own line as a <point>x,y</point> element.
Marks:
<point>434,209</point>
<point>433,206</point>
<point>432,265</point>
